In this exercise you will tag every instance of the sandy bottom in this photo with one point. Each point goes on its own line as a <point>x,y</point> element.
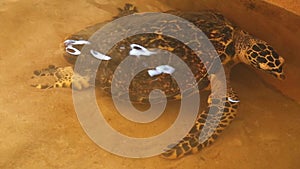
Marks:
<point>40,129</point>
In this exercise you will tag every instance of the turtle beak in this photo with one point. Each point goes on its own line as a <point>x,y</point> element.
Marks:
<point>279,72</point>
<point>280,76</point>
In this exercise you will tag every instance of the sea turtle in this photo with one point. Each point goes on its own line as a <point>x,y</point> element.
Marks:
<point>233,46</point>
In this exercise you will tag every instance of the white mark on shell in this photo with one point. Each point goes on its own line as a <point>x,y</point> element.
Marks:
<point>138,50</point>
<point>76,42</point>
<point>161,69</point>
<point>99,55</point>
<point>72,50</point>
<point>153,72</point>
<point>165,69</point>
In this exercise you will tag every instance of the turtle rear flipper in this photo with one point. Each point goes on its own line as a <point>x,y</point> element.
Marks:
<point>60,77</point>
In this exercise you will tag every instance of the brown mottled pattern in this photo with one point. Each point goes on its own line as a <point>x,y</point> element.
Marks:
<point>143,84</point>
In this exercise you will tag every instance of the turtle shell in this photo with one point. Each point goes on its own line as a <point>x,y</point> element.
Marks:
<point>133,78</point>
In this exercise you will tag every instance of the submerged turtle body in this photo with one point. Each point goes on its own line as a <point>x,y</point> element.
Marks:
<point>232,44</point>
<point>143,84</point>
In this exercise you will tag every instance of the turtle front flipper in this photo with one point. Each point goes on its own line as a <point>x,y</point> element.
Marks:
<point>201,136</point>
<point>60,77</point>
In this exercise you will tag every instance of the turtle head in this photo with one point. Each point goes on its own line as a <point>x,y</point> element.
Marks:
<point>260,55</point>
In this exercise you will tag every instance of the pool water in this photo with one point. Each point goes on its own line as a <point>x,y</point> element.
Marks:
<point>40,129</point>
